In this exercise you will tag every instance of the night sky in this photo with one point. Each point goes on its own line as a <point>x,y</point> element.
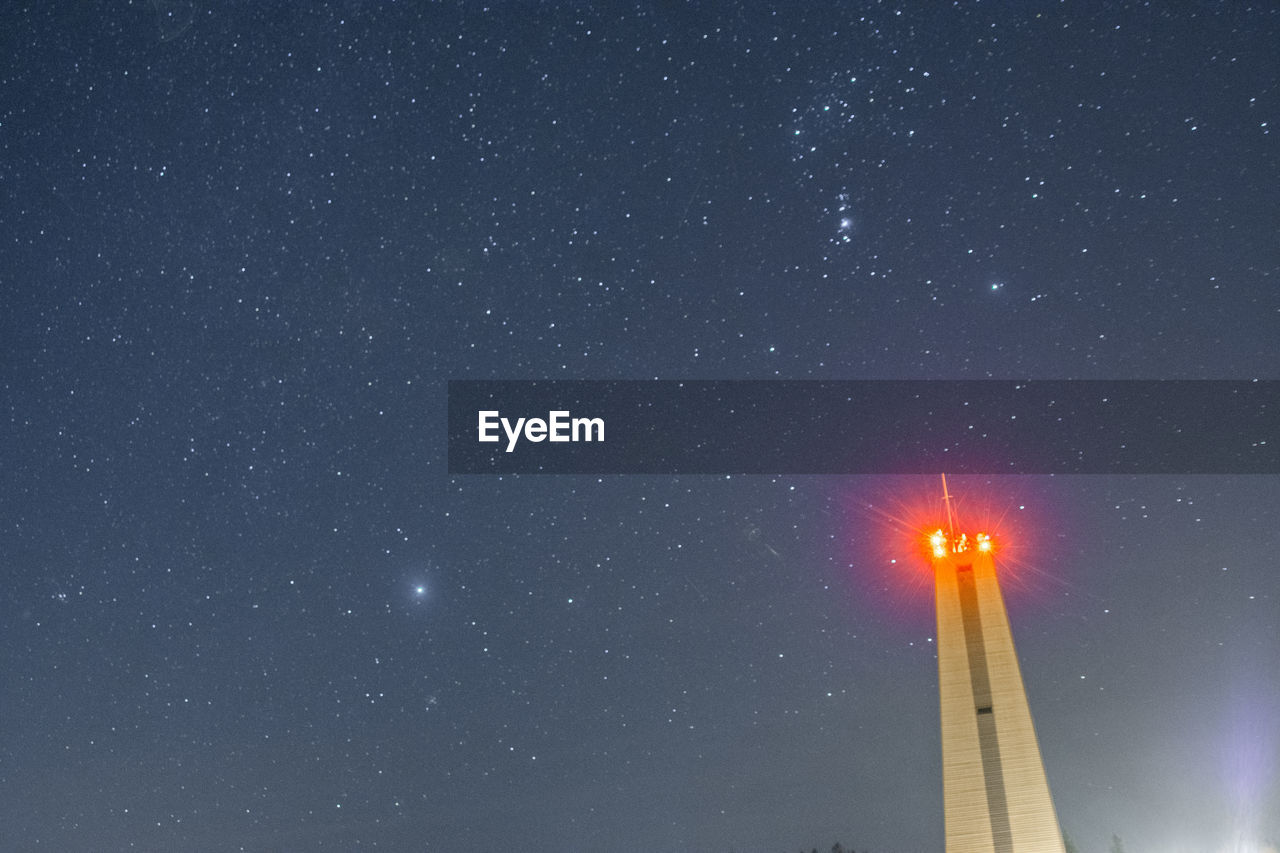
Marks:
<point>243,246</point>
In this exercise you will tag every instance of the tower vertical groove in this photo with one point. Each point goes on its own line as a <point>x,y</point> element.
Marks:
<point>988,744</point>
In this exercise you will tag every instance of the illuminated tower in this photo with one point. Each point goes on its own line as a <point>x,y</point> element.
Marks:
<point>995,794</point>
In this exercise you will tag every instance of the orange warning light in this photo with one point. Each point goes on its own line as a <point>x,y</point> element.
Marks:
<point>938,541</point>
<point>941,544</point>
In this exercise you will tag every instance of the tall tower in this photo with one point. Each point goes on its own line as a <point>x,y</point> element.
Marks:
<point>995,794</point>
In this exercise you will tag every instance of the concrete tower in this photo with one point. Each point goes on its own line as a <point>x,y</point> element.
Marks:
<point>995,793</point>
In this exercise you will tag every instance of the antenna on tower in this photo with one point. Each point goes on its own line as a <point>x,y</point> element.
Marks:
<point>946,499</point>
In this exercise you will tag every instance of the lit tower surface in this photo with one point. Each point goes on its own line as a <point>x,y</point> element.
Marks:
<point>995,794</point>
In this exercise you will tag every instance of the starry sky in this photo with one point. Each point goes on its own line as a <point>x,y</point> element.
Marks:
<point>243,247</point>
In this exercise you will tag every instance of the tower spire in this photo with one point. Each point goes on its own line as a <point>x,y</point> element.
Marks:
<point>946,499</point>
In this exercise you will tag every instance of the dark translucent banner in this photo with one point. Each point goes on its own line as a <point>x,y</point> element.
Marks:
<point>864,427</point>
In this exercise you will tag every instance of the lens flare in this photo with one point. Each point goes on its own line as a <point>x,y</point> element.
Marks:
<point>896,527</point>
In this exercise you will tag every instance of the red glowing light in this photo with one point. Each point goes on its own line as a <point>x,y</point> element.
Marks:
<point>938,541</point>
<point>913,534</point>
<point>940,544</point>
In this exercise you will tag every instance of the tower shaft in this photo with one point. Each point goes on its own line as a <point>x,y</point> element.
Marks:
<point>995,793</point>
